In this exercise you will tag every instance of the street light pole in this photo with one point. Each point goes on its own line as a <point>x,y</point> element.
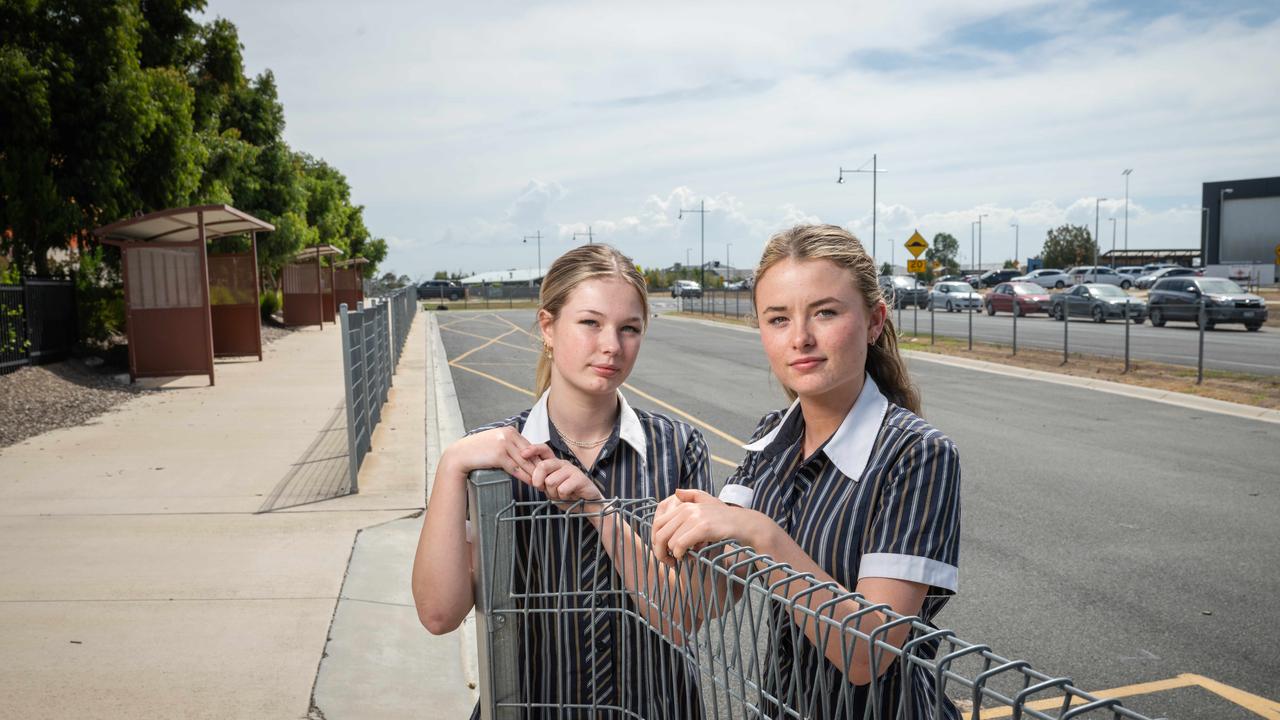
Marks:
<point>980,241</point>
<point>875,172</point>
<point>1016,261</point>
<point>702,211</point>
<point>728,269</point>
<point>1097,204</point>
<point>590,239</point>
<point>1222,200</point>
<point>1113,241</point>
<point>1126,174</point>
<point>537,236</point>
<point>971,245</point>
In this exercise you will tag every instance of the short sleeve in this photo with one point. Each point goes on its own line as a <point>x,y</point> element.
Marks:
<point>915,531</point>
<point>695,470</point>
<point>739,489</point>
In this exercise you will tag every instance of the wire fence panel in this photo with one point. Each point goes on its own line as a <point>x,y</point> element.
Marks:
<point>567,628</point>
<point>37,322</point>
<point>373,337</point>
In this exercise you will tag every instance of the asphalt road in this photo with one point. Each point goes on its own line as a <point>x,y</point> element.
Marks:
<point>1226,347</point>
<point>1113,540</point>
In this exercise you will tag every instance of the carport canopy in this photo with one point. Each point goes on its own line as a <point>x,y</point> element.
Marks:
<point>165,265</point>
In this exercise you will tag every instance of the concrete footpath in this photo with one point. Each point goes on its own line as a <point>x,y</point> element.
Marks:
<point>140,580</point>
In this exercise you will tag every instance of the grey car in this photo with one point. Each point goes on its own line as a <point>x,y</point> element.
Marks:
<point>903,291</point>
<point>1179,298</point>
<point>1100,302</point>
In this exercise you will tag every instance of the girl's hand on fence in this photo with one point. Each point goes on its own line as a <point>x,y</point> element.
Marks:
<point>565,484</point>
<point>497,448</point>
<point>692,519</point>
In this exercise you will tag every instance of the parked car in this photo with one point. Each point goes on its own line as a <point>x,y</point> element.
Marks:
<point>1100,274</point>
<point>1179,298</point>
<point>737,285</point>
<point>903,291</point>
<point>954,296</point>
<point>1047,278</point>
<point>950,278</point>
<point>1133,271</point>
<point>1099,302</point>
<point>1018,298</point>
<point>1152,267</point>
<point>992,278</point>
<point>1148,280</point>
<point>686,288</point>
<point>441,290</point>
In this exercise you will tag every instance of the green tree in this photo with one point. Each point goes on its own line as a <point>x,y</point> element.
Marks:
<point>441,275</point>
<point>886,269</point>
<point>1011,264</point>
<point>944,250</point>
<point>1068,245</point>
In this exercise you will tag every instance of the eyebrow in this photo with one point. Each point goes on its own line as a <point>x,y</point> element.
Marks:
<point>632,319</point>
<point>815,303</point>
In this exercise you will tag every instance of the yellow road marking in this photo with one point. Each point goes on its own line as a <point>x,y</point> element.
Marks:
<point>478,348</point>
<point>487,376</point>
<point>485,337</point>
<point>672,408</point>
<point>722,461</point>
<point>1254,703</point>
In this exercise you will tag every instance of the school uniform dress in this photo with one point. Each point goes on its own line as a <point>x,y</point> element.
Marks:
<point>881,498</point>
<point>584,652</point>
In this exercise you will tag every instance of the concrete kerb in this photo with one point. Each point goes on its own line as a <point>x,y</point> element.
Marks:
<point>1183,400</point>
<point>379,662</point>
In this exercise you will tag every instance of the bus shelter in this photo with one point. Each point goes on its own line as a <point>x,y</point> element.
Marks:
<point>183,306</point>
<point>348,282</point>
<point>308,287</point>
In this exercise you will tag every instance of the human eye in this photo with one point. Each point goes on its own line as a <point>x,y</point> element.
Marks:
<point>777,320</point>
<point>589,322</point>
<point>630,329</point>
<point>826,312</point>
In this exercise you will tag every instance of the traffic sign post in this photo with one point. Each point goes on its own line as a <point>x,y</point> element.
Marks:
<point>916,244</point>
<point>916,266</point>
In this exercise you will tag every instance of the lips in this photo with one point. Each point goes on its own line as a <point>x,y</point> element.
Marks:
<point>806,363</point>
<point>606,370</point>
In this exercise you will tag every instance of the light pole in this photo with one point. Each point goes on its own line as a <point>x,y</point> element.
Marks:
<point>1016,261</point>
<point>728,269</point>
<point>1204,235</point>
<point>971,246</point>
<point>1126,174</point>
<point>537,236</point>
<point>686,257</point>
<point>1097,204</point>
<point>875,171</point>
<point>590,239</point>
<point>1222,200</point>
<point>980,242</point>
<point>1113,241</point>
<point>702,211</point>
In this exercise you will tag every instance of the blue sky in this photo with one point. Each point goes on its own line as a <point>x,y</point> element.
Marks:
<point>463,128</point>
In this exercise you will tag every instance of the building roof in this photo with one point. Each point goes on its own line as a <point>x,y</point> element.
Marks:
<point>310,253</point>
<point>514,275</point>
<point>182,225</point>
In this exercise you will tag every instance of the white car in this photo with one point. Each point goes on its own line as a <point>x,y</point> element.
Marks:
<point>1047,278</point>
<point>686,288</point>
<point>954,296</point>
<point>1100,275</point>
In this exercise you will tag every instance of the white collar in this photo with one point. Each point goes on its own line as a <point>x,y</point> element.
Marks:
<point>851,445</point>
<point>537,427</point>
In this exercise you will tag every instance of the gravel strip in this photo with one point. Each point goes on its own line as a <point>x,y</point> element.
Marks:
<point>35,400</point>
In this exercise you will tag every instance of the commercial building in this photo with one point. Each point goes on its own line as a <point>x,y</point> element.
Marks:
<point>1240,229</point>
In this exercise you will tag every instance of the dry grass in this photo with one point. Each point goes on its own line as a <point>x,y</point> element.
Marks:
<point>1246,389</point>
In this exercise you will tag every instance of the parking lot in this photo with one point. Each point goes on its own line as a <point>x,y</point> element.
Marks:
<point>1129,544</point>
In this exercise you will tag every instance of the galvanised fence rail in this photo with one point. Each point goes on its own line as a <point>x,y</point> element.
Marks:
<point>373,338</point>
<point>727,634</point>
<point>37,322</point>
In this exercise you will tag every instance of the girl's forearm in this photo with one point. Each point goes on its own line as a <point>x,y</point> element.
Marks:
<point>442,566</point>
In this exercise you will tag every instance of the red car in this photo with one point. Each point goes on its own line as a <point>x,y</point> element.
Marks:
<point>1018,298</point>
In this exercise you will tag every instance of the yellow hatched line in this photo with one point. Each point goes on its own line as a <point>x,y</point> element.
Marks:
<point>478,348</point>
<point>487,376</point>
<point>1254,703</point>
<point>485,337</point>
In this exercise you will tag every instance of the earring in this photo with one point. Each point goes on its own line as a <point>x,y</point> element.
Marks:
<point>548,353</point>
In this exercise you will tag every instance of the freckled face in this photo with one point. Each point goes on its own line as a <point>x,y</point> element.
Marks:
<point>596,338</point>
<point>815,326</point>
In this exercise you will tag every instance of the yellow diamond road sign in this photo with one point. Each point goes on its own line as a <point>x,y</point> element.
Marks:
<point>916,266</point>
<point>917,244</point>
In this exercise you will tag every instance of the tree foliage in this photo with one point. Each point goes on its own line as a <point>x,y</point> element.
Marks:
<point>109,108</point>
<point>944,250</point>
<point>1068,245</point>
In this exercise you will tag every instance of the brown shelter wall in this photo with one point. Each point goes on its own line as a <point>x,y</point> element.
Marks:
<point>233,295</point>
<point>236,330</point>
<point>301,301</point>
<point>164,278</point>
<point>168,341</point>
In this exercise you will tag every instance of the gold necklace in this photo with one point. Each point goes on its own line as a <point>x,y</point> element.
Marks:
<point>586,445</point>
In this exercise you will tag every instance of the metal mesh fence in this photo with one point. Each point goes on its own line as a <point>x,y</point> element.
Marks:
<point>566,629</point>
<point>373,339</point>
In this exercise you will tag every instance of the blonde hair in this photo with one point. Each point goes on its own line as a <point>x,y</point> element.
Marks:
<point>834,243</point>
<point>587,262</point>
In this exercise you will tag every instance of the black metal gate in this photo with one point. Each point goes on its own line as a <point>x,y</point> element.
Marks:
<point>37,322</point>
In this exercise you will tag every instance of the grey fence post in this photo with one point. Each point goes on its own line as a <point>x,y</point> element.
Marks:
<point>931,309</point>
<point>353,458</point>
<point>1128,304</point>
<point>915,314</point>
<point>971,329</point>
<point>492,554</point>
<point>1204,320</point>
<point>1016,309</point>
<point>1066,323</point>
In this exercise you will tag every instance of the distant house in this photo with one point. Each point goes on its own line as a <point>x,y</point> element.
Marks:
<point>517,276</point>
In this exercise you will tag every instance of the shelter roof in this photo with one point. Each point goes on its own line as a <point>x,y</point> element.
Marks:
<point>182,225</point>
<point>310,253</point>
<point>352,261</point>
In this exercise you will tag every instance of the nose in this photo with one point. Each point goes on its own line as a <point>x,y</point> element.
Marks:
<point>609,342</point>
<point>801,334</point>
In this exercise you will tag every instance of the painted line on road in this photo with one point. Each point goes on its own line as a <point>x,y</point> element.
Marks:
<point>672,408</point>
<point>1254,703</point>
<point>478,348</point>
<point>485,337</point>
<point>487,376</point>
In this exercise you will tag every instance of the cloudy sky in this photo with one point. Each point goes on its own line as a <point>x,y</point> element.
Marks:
<point>463,127</point>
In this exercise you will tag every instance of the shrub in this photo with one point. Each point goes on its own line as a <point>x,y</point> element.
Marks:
<point>99,300</point>
<point>269,303</point>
